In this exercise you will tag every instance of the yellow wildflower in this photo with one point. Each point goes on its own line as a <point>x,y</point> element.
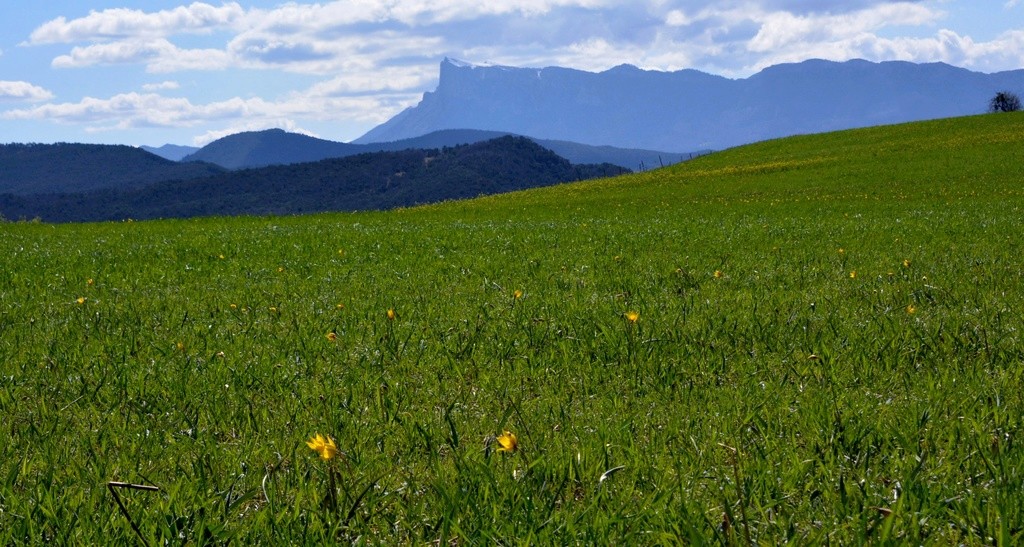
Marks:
<point>517,294</point>
<point>323,446</point>
<point>507,442</point>
<point>718,274</point>
<point>89,282</point>
<point>391,314</point>
<point>632,316</point>
<point>906,263</point>
<point>80,300</point>
<point>853,274</point>
<point>332,336</point>
<point>911,309</point>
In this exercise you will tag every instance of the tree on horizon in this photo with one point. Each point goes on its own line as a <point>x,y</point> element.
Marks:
<point>1004,101</point>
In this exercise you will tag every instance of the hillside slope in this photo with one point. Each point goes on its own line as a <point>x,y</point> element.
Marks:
<point>808,341</point>
<point>171,152</point>
<point>379,180</point>
<point>48,168</point>
<point>977,159</point>
<point>270,147</point>
<point>277,147</point>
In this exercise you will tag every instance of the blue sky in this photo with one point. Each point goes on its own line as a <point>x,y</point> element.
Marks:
<point>161,71</point>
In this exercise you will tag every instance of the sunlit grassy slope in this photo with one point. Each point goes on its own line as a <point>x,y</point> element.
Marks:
<point>827,347</point>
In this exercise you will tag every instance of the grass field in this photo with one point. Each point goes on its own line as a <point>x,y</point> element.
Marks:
<point>815,339</point>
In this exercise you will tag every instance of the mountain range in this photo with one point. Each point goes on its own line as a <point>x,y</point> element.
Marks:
<point>379,180</point>
<point>691,110</point>
<point>173,152</point>
<point>277,147</point>
<point>72,167</point>
<point>464,139</point>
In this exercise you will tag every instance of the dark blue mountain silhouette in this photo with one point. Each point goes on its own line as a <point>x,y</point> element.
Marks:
<point>690,110</point>
<point>277,147</point>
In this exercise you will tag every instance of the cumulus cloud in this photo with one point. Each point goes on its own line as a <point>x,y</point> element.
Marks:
<point>412,13</point>
<point>139,110</point>
<point>301,54</point>
<point>23,91</point>
<point>732,38</point>
<point>160,86</point>
<point>677,18</point>
<point>199,17</point>
<point>387,79</point>
<point>130,23</point>
<point>292,111</point>
<point>735,37</point>
<point>781,29</point>
<point>113,53</point>
<point>124,111</point>
<point>855,36</point>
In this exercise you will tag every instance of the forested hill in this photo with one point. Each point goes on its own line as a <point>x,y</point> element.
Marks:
<point>65,167</point>
<point>270,147</point>
<point>379,180</point>
<point>277,147</point>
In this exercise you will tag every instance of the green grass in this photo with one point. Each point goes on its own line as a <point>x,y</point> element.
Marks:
<point>781,400</point>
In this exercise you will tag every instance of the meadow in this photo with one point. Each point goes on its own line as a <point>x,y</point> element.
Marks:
<point>812,340</point>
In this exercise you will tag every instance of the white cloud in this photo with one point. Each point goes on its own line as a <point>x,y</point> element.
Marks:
<point>192,59</point>
<point>158,55</point>
<point>388,79</point>
<point>785,37</point>
<point>290,113</point>
<point>130,23</point>
<point>297,52</point>
<point>138,110</point>
<point>677,18</point>
<point>23,91</point>
<point>113,53</point>
<point>1006,50</point>
<point>307,54</point>
<point>781,29</point>
<point>358,36</point>
<point>731,38</point>
<point>160,86</point>
<point>121,111</point>
<point>316,38</point>
<point>412,13</point>
<point>199,17</point>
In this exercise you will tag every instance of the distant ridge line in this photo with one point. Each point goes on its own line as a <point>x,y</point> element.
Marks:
<point>691,110</point>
